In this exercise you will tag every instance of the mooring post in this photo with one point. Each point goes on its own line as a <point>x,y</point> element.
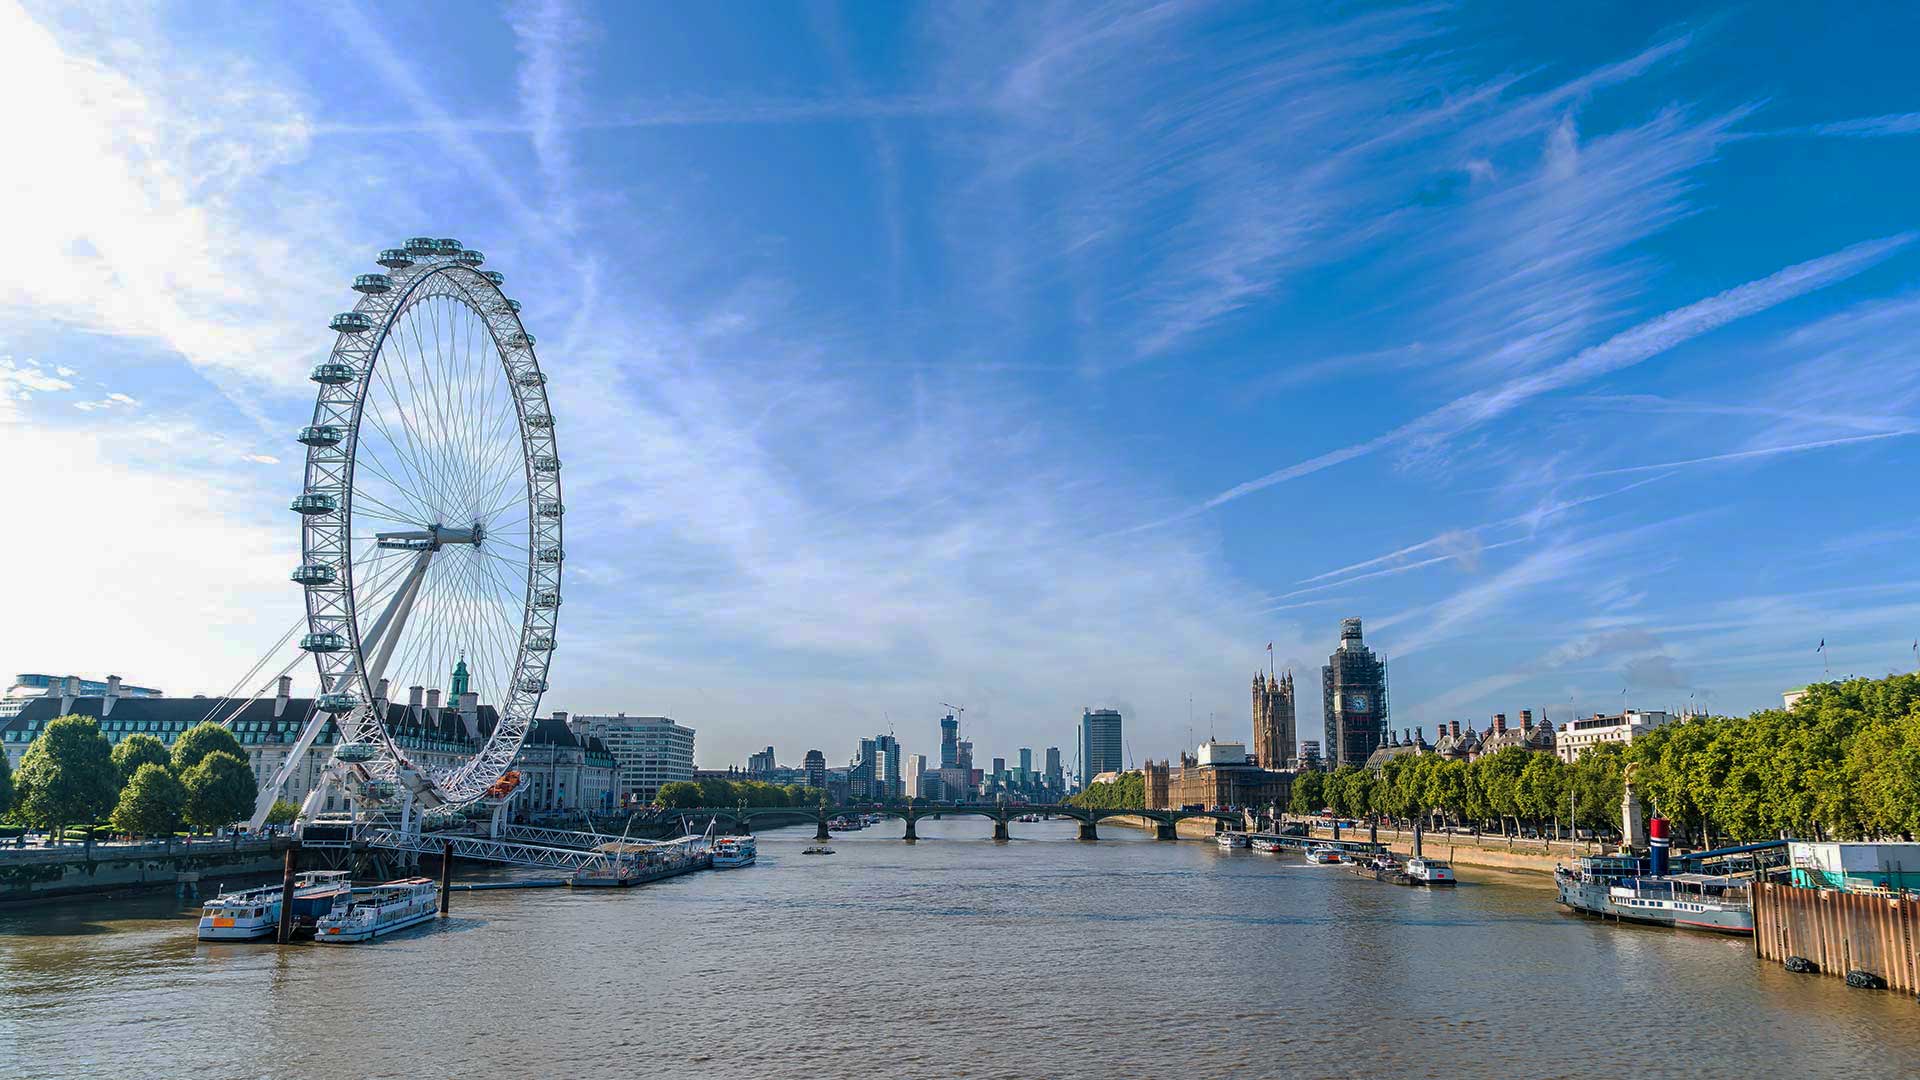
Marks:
<point>1416,839</point>
<point>1336,830</point>
<point>446,875</point>
<point>290,869</point>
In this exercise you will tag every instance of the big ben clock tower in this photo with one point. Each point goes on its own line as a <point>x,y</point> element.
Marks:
<point>1354,689</point>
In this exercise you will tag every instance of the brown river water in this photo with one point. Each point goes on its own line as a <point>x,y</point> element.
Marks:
<point>953,957</point>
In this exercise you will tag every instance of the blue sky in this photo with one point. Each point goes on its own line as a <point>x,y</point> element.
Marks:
<point>1028,357</point>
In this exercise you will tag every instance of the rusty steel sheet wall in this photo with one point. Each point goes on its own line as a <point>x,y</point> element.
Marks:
<point>1839,931</point>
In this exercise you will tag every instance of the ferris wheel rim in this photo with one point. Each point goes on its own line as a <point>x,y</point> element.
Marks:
<point>333,601</point>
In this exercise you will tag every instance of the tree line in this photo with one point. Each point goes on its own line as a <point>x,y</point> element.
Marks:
<point>1843,763</point>
<point>1128,791</point>
<point>714,792</point>
<point>72,775</point>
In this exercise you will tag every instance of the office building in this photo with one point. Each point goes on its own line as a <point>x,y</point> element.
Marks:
<point>1056,777</point>
<point>649,751</point>
<point>1622,727</point>
<point>913,774</point>
<point>1310,754</point>
<point>1353,686</point>
<point>949,741</point>
<point>760,765</point>
<point>816,769</point>
<point>1102,746</point>
<point>886,767</point>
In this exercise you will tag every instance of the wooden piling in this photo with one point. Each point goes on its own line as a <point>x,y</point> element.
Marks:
<point>446,876</point>
<point>289,870</point>
<point>1840,932</point>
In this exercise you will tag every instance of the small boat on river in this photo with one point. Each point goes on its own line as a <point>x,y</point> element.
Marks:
<point>1324,855</point>
<point>818,851</point>
<point>1265,843</point>
<point>1424,871</point>
<point>732,852</point>
<point>1231,840</point>
<point>254,914</point>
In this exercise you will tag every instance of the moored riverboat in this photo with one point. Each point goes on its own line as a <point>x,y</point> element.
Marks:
<point>254,914</point>
<point>733,852</point>
<point>378,910</point>
<point>1231,840</point>
<point>1265,843</point>
<point>1424,871</point>
<point>1324,855</point>
<point>1620,887</point>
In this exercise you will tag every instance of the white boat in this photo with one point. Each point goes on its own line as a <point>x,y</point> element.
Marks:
<point>1324,855</point>
<point>376,910</point>
<point>241,916</point>
<point>1231,840</point>
<point>1424,871</point>
<point>252,914</point>
<point>731,852</point>
<point>1266,843</point>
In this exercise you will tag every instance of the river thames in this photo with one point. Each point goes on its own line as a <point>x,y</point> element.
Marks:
<point>954,957</point>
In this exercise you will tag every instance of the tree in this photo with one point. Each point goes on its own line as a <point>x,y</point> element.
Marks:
<point>6,786</point>
<point>282,812</point>
<point>220,791</point>
<point>1543,788</point>
<point>1309,795</point>
<point>152,803</point>
<point>136,750</point>
<point>1499,776</point>
<point>679,794</point>
<point>66,776</point>
<point>200,740</point>
<point>1127,792</point>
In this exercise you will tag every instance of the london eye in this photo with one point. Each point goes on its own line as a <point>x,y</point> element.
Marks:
<point>430,528</point>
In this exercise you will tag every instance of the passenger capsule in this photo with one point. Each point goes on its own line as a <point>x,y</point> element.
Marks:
<point>313,574</point>
<point>422,245</point>
<point>448,248</point>
<point>333,373</point>
<point>313,504</point>
<point>550,555</point>
<point>494,276</point>
<point>323,642</point>
<point>545,509</point>
<point>395,259</point>
<point>508,304</point>
<point>546,601</point>
<point>351,322</point>
<point>470,257</point>
<point>337,702</point>
<point>519,339</point>
<point>381,790</point>
<point>372,283</point>
<point>533,685</point>
<point>354,753</point>
<point>531,378</point>
<point>321,435</point>
<point>539,420</point>
<point>540,643</point>
<point>543,463</point>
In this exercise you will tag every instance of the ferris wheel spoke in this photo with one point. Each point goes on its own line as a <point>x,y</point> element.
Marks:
<point>405,460</point>
<point>435,448</point>
<point>422,457</point>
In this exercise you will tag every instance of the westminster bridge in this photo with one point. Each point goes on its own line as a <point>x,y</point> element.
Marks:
<point>1001,814</point>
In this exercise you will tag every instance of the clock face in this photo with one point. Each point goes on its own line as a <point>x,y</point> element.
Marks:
<point>1359,703</point>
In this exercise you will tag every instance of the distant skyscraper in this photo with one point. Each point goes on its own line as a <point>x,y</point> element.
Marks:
<point>760,764</point>
<point>949,742</point>
<point>916,768</point>
<point>963,754</point>
<point>816,767</point>
<point>1102,748</point>
<point>887,766</point>
<point>1353,686</point>
<point>1055,776</point>
<point>1273,734</point>
<point>1026,759</point>
<point>999,765</point>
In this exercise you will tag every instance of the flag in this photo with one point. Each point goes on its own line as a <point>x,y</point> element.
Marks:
<point>1823,644</point>
<point>1269,646</point>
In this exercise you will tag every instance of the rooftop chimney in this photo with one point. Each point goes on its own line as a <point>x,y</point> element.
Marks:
<point>380,691</point>
<point>1499,723</point>
<point>280,699</point>
<point>73,686</point>
<point>470,701</point>
<point>1526,720</point>
<point>1454,728</point>
<point>433,698</point>
<point>414,695</point>
<point>113,686</point>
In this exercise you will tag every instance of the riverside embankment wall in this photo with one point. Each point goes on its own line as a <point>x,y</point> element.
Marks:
<point>1841,932</point>
<point>28,874</point>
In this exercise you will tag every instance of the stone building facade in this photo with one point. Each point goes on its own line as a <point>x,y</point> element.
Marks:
<point>1274,737</point>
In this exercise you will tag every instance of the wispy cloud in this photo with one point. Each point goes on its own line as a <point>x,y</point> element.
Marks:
<point>1748,455</point>
<point>1637,345</point>
<point>551,37</point>
<point>1892,125</point>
